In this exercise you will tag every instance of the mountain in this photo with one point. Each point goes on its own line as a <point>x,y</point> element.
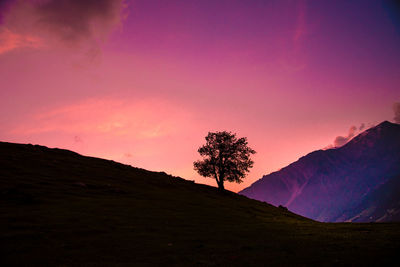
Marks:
<point>358,182</point>
<point>58,208</point>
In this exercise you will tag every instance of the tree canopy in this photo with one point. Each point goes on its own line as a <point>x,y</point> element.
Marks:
<point>225,158</point>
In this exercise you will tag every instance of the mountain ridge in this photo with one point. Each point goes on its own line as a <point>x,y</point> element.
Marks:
<point>327,175</point>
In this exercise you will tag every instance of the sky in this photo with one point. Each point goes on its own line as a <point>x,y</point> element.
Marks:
<point>142,82</point>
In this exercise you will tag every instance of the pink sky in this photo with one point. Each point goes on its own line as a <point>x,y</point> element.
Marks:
<point>142,82</point>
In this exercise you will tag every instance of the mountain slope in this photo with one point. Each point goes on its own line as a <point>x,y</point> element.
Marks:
<point>332,185</point>
<point>61,208</point>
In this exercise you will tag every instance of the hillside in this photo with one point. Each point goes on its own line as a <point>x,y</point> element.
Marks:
<point>356,182</point>
<point>61,208</point>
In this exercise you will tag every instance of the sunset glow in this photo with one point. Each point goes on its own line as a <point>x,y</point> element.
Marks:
<point>142,82</point>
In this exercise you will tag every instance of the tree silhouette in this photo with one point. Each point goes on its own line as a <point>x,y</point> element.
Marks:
<point>225,158</point>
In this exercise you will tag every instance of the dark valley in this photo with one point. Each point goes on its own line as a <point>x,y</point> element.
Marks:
<point>61,208</point>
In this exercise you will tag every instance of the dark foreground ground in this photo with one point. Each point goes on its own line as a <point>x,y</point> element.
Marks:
<point>60,208</point>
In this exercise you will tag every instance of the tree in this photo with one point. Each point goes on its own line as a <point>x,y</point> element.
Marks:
<point>225,158</point>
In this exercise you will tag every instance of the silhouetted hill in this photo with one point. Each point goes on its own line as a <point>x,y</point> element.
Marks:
<point>357,182</point>
<point>61,208</point>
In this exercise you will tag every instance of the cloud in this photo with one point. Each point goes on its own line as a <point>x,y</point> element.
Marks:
<point>74,24</point>
<point>396,109</point>
<point>342,140</point>
<point>300,27</point>
<point>353,131</point>
<point>10,41</point>
<point>144,119</point>
<point>4,6</point>
<point>293,60</point>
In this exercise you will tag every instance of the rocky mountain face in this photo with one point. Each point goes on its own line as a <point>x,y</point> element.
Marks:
<point>359,181</point>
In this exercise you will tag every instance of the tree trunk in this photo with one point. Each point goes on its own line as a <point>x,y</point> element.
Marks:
<point>221,180</point>
<point>221,185</point>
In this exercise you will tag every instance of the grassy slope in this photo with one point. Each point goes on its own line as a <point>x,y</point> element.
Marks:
<point>58,207</point>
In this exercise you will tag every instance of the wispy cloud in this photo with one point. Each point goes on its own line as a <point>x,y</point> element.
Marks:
<point>10,41</point>
<point>293,60</point>
<point>144,119</point>
<point>300,29</point>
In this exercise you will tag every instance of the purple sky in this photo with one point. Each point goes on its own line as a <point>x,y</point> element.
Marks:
<point>142,82</point>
